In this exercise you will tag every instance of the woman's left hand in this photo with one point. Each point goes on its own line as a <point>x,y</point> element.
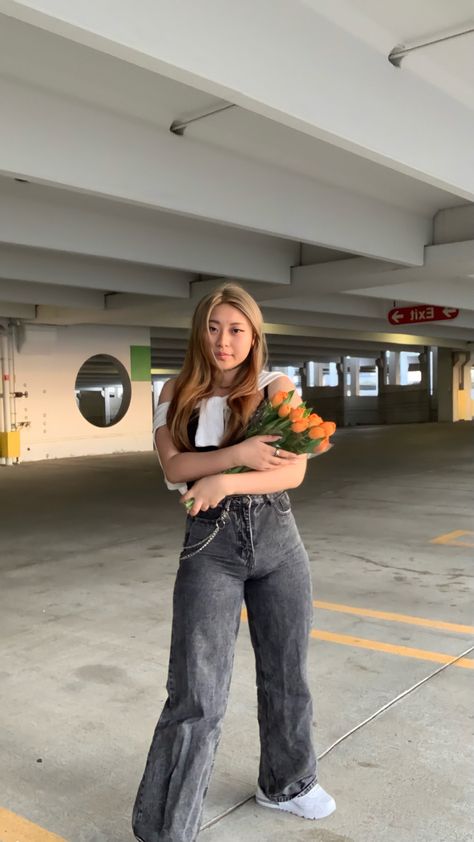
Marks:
<point>207,493</point>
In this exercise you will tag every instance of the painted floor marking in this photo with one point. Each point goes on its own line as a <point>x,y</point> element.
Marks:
<point>379,646</point>
<point>395,618</point>
<point>15,828</point>
<point>452,538</point>
<point>404,651</point>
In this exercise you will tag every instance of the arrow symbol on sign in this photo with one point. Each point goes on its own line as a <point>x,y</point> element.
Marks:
<point>396,316</point>
<point>448,311</point>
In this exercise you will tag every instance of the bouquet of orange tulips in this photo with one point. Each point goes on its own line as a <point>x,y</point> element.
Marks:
<point>301,429</point>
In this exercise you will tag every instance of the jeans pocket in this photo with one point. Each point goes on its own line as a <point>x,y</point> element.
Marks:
<point>282,504</point>
<point>201,532</point>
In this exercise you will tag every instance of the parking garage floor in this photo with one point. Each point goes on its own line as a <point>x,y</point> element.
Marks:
<point>89,550</point>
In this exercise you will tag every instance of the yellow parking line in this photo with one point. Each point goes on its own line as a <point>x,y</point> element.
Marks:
<point>395,618</point>
<point>451,538</point>
<point>15,828</point>
<point>378,646</point>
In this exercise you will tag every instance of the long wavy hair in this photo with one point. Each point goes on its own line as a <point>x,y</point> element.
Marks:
<point>200,371</point>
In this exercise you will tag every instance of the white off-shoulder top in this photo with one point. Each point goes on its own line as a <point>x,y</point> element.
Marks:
<point>213,415</point>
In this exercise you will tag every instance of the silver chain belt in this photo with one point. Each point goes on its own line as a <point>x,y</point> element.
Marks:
<point>201,545</point>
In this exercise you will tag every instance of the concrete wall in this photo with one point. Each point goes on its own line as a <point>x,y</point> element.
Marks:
<point>361,410</point>
<point>47,364</point>
<point>327,401</point>
<point>404,405</point>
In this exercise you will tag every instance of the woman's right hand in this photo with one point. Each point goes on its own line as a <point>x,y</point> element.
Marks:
<point>258,454</point>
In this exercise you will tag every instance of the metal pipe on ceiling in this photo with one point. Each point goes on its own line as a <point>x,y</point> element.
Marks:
<point>178,126</point>
<point>401,50</point>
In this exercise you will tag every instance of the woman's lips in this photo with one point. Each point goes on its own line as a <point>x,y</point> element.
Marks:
<point>223,356</point>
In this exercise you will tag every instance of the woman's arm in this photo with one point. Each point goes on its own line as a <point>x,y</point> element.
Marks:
<point>209,491</point>
<point>286,476</point>
<point>182,467</point>
<point>265,482</point>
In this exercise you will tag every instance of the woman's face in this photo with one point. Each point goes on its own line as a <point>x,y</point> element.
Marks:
<point>230,336</point>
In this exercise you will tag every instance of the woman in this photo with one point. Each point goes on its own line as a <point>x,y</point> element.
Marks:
<point>241,543</point>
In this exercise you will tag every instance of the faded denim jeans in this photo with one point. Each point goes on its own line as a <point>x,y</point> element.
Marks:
<point>248,548</point>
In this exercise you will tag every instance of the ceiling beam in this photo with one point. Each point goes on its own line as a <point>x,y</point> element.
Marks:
<point>137,242</point>
<point>444,264</point>
<point>44,266</point>
<point>332,79</point>
<point>15,310</point>
<point>153,168</point>
<point>60,296</point>
<point>440,292</point>
<point>380,337</point>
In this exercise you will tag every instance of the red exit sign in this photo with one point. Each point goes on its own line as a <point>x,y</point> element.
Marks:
<point>424,313</point>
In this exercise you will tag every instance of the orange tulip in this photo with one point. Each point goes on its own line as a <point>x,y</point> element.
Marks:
<point>296,413</point>
<point>284,410</point>
<point>330,427</point>
<point>317,432</point>
<point>278,398</point>
<point>314,420</point>
<point>299,426</point>
<point>322,446</point>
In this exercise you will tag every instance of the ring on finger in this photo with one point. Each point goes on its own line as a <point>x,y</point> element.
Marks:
<point>277,451</point>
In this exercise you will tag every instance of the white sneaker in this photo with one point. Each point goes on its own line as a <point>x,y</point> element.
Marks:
<point>314,804</point>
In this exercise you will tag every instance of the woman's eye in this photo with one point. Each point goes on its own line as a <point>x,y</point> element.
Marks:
<point>237,330</point>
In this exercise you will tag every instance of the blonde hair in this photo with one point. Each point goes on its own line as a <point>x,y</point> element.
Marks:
<point>197,377</point>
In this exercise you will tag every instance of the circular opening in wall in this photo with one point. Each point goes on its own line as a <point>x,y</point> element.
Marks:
<point>103,390</point>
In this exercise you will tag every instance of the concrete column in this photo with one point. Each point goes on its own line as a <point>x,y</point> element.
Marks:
<point>354,369</point>
<point>315,375</point>
<point>444,384</point>
<point>319,374</point>
<point>304,378</point>
<point>382,371</point>
<point>424,368</point>
<point>462,403</point>
<point>334,377</point>
<point>394,369</point>
<point>309,366</point>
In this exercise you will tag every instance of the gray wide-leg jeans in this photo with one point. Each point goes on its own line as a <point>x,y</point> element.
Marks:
<point>248,548</point>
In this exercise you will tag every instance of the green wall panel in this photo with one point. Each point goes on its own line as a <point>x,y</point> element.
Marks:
<point>140,362</point>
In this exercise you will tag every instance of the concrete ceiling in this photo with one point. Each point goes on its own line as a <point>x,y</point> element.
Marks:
<point>325,207</point>
<point>64,67</point>
<point>448,65</point>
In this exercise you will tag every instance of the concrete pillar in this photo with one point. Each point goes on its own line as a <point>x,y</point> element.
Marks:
<point>354,370</point>
<point>444,384</point>
<point>394,368</point>
<point>304,378</point>
<point>328,400</point>
<point>381,364</point>
<point>424,369</point>
<point>462,403</point>
<point>334,375</point>
<point>309,367</point>
<point>314,374</point>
